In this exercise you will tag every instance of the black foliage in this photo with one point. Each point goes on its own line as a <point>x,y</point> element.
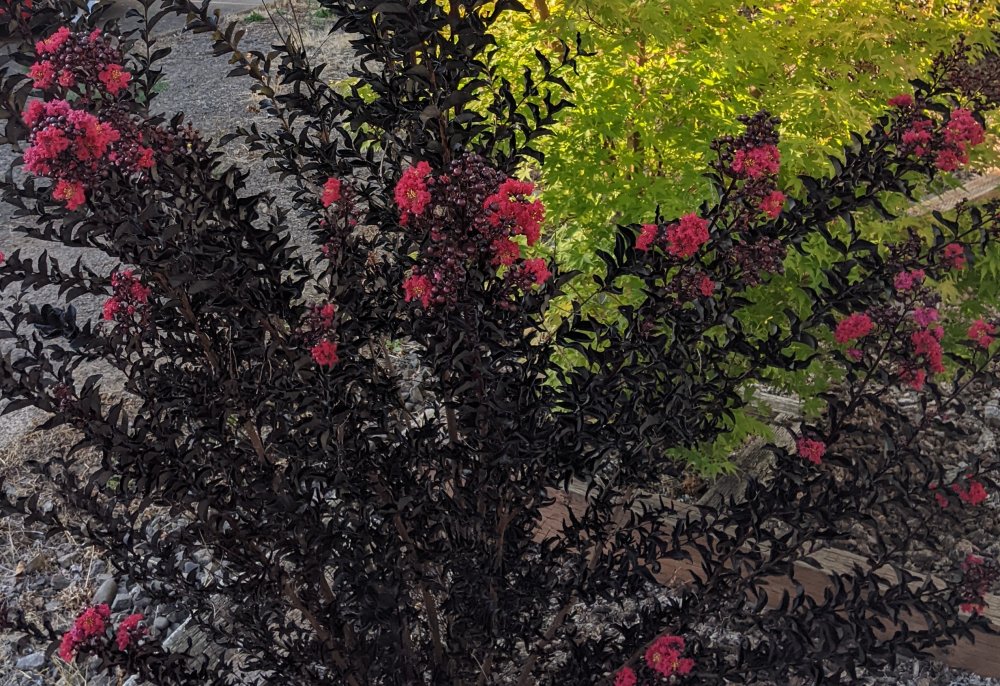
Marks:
<point>354,541</point>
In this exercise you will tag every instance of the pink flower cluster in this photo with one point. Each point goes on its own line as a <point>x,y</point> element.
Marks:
<point>129,298</point>
<point>961,132</point>
<point>906,280</point>
<point>411,194</point>
<point>625,677</point>
<point>648,233</point>
<point>751,162</point>
<point>129,631</point>
<point>810,449</point>
<point>772,204</point>
<point>512,206</point>
<point>72,145</point>
<point>320,330</point>
<point>706,286</point>
<point>926,342</point>
<point>954,256</point>
<point>68,142</point>
<point>902,101</point>
<point>533,272</point>
<point>90,631</point>
<point>663,656</point>
<point>972,492</point>
<point>331,192</point>
<point>472,215</point>
<point>757,162</point>
<point>339,222</point>
<point>85,62</point>
<point>982,333</point>
<point>682,239</point>
<point>925,347</point>
<point>918,137</point>
<point>686,237</point>
<point>949,145</point>
<point>418,287</point>
<point>87,628</point>
<point>979,575</point>
<point>853,327</point>
<point>324,353</point>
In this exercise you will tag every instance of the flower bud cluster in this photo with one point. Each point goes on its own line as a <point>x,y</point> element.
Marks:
<point>979,576</point>
<point>946,143</point>
<point>129,303</point>
<point>473,219</point>
<point>319,332</point>
<point>81,129</point>
<point>340,218</point>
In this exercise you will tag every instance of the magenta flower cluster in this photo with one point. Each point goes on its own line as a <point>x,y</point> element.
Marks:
<point>470,218</point>
<point>79,130</point>
<point>90,632</point>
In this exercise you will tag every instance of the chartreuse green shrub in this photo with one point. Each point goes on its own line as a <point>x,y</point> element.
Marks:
<point>666,77</point>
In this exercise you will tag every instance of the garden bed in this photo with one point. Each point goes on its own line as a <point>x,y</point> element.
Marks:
<point>58,577</point>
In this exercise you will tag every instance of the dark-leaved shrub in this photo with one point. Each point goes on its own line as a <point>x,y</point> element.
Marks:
<point>507,528</point>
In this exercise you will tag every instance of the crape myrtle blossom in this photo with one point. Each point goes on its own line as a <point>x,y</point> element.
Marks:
<point>471,219</point>
<point>852,328</point>
<point>758,162</point>
<point>682,239</point>
<point>331,192</point>
<point>86,62</point>
<point>87,630</point>
<point>77,132</point>
<point>129,631</point>
<point>772,204</point>
<point>906,280</point>
<point>686,237</point>
<point>319,332</point>
<point>901,101</point>
<point>979,576</point>
<point>90,632</point>
<point>751,162</point>
<point>810,449</point>
<point>947,144</point>
<point>663,656</point>
<point>129,300</point>
<point>954,255</point>
<point>982,333</point>
<point>411,194</point>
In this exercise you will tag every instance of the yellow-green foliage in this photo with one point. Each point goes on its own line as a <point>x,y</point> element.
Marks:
<point>668,76</point>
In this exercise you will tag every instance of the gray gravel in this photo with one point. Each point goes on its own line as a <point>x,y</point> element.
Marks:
<point>196,84</point>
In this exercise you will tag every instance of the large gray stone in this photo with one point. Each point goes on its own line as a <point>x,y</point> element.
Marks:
<point>106,593</point>
<point>32,661</point>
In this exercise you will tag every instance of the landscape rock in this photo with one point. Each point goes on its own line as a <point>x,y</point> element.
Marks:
<point>106,593</point>
<point>32,661</point>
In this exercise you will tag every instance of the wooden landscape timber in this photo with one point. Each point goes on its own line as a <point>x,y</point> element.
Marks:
<point>981,656</point>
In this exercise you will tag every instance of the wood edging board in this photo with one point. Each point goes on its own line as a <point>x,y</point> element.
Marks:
<point>981,656</point>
